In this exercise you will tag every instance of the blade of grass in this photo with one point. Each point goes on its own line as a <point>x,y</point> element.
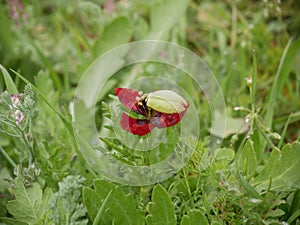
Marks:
<point>101,210</point>
<point>283,71</point>
<point>294,216</point>
<point>8,158</point>
<point>11,87</point>
<point>254,79</point>
<point>284,131</point>
<point>294,118</point>
<point>249,189</point>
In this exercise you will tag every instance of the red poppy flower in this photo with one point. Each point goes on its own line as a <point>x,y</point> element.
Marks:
<point>159,109</point>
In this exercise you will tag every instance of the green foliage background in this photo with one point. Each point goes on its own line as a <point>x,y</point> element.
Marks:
<point>253,178</point>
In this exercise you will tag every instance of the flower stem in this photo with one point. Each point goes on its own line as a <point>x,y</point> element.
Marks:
<point>8,157</point>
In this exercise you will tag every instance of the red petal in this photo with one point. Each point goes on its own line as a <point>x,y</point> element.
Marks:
<point>136,126</point>
<point>162,120</point>
<point>128,98</point>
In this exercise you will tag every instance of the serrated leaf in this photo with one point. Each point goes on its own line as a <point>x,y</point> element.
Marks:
<point>30,204</point>
<point>120,209</point>
<point>116,33</point>
<point>65,206</point>
<point>161,209</point>
<point>283,168</point>
<point>194,217</point>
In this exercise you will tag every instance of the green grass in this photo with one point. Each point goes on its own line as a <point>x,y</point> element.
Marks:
<point>252,177</point>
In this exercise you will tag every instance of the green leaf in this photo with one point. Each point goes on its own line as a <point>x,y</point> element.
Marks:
<point>216,223</point>
<point>30,203</point>
<point>247,160</point>
<point>222,157</point>
<point>285,66</point>
<point>11,87</point>
<point>65,206</point>
<point>294,209</point>
<point>283,168</point>
<point>254,79</point>
<point>184,186</point>
<point>119,209</point>
<point>102,208</point>
<point>248,187</point>
<point>194,217</point>
<point>275,213</point>
<point>67,121</point>
<point>286,62</point>
<point>10,221</point>
<point>46,87</point>
<point>164,15</point>
<point>161,209</point>
<point>294,216</point>
<point>118,32</point>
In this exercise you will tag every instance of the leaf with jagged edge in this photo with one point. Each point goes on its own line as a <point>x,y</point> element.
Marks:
<point>30,203</point>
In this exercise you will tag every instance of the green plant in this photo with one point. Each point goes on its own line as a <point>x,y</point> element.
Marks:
<point>251,178</point>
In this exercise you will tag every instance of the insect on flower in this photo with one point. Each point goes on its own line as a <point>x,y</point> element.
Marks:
<point>163,108</point>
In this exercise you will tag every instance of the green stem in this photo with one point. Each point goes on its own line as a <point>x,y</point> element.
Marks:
<point>263,131</point>
<point>8,157</point>
<point>101,210</point>
<point>188,186</point>
<point>284,131</point>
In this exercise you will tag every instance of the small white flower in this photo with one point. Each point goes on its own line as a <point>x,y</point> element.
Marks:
<point>15,99</point>
<point>249,80</point>
<point>19,116</point>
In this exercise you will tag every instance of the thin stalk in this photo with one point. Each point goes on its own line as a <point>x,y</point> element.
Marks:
<point>9,159</point>
<point>101,210</point>
<point>284,131</point>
